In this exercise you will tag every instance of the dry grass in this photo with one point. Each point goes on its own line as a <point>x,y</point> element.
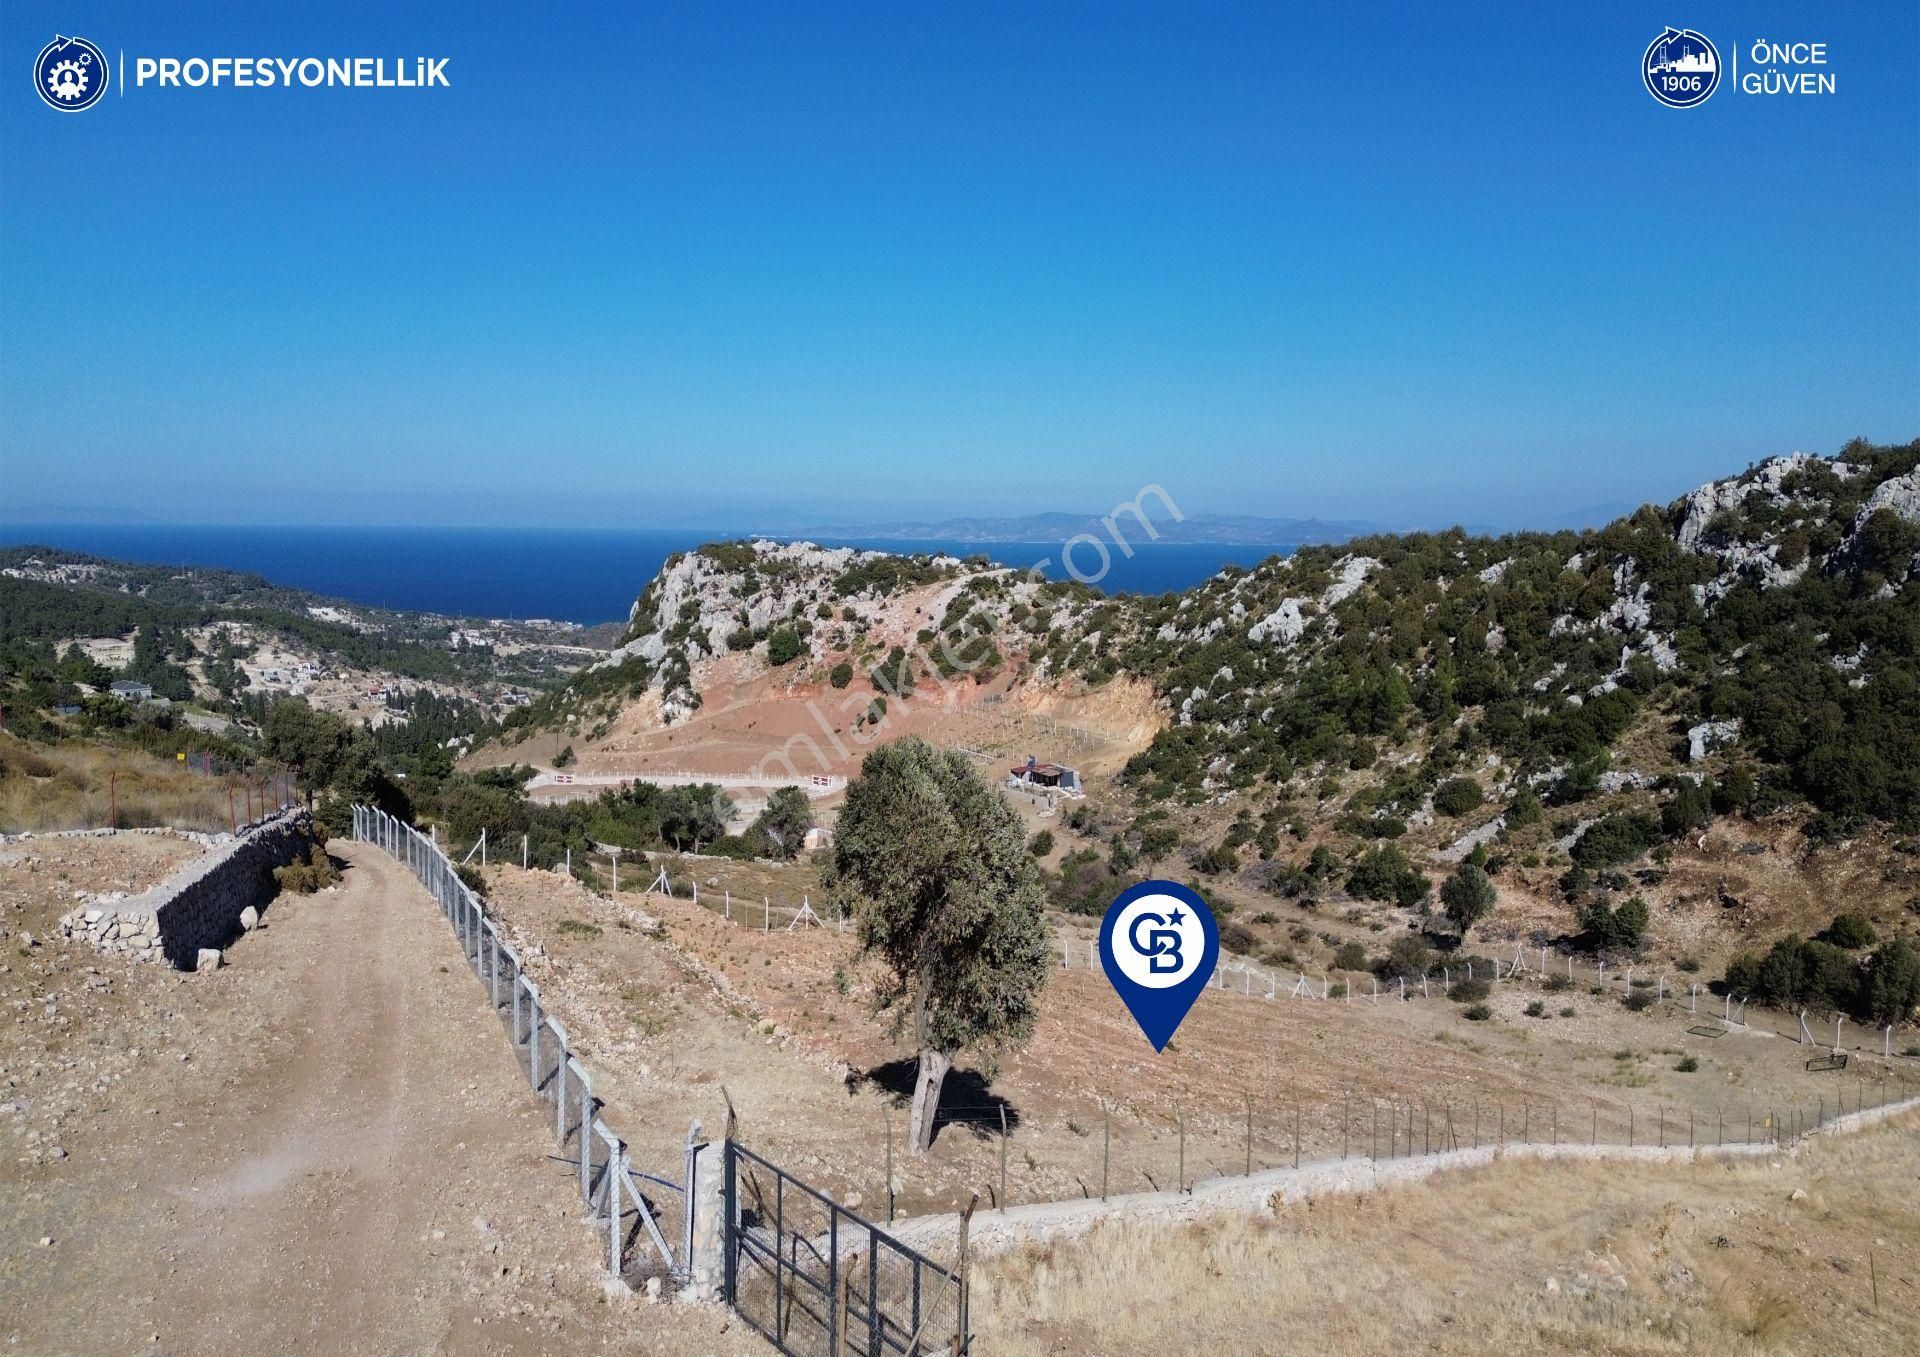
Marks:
<point>1522,1257</point>
<point>57,787</point>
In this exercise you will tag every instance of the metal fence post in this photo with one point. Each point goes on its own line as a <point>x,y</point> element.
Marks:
<point>559,1083</point>
<point>533,1039</point>
<point>616,1161</point>
<point>1003,1157</point>
<point>586,1122</point>
<point>729,1217</point>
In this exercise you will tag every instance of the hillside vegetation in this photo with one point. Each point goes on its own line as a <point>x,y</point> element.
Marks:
<point>218,649</point>
<point>1768,614</point>
<point>1541,737</point>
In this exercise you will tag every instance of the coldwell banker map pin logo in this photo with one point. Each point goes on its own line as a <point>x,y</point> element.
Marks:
<point>1159,946</point>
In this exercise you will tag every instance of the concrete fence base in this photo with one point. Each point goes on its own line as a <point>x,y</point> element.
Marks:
<point>1260,1194</point>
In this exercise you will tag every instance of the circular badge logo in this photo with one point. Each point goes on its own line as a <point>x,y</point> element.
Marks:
<point>1158,940</point>
<point>1681,68</point>
<point>71,74</point>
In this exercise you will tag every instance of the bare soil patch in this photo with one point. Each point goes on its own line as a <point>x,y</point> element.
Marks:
<point>323,1146</point>
<point>783,1018</point>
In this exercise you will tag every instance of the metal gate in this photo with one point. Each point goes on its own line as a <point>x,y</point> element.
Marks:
<point>819,1281</point>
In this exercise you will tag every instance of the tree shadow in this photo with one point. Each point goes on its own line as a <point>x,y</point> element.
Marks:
<point>967,1098</point>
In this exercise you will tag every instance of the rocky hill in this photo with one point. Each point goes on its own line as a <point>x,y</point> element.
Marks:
<point>1666,740</point>
<point>1771,613</point>
<point>1766,619</point>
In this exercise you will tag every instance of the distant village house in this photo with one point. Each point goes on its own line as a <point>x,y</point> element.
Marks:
<point>1033,773</point>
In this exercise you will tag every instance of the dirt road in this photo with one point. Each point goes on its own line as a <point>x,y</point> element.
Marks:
<point>323,1147</point>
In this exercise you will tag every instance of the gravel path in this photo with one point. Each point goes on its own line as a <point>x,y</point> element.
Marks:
<point>323,1147</point>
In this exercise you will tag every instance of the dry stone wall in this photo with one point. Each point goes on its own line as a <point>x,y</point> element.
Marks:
<point>200,906</point>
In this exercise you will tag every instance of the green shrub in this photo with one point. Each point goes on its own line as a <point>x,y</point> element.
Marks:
<point>1796,973</point>
<point>1468,991</point>
<point>1216,860</point>
<point>1639,1001</point>
<point>1614,839</point>
<point>1607,927</point>
<point>1469,896</point>
<point>840,675</point>
<point>1041,843</point>
<point>1350,956</point>
<point>1892,988</point>
<point>1687,1064</point>
<point>1408,958</point>
<point>1536,1009</point>
<point>1850,930</point>
<point>894,675</point>
<point>1457,796</point>
<point>304,876</point>
<point>1476,1012</point>
<point>1386,873</point>
<point>783,646</point>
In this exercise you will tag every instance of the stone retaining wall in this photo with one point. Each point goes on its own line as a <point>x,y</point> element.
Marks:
<point>1259,1194</point>
<point>200,904</point>
<point>205,840</point>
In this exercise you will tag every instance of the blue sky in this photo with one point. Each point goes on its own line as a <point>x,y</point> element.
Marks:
<point>647,262</point>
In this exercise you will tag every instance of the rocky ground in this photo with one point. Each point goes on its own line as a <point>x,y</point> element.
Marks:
<point>324,1146</point>
<point>782,1020</point>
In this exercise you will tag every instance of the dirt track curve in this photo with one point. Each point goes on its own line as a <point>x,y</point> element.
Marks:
<point>323,1147</point>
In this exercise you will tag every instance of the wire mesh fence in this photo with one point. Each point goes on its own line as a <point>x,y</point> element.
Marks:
<point>1109,1149</point>
<point>636,1246</point>
<point>1548,972</point>
<point>81,790</point>
<point>1708,1008</point>
<point>1098,1148</point>
<point>792,1276</point>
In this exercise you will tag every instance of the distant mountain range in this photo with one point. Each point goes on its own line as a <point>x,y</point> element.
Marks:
<point>1232,529</point>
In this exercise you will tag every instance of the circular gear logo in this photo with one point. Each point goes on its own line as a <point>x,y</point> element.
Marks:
<point>71,74</point>
<point>1681,68</point>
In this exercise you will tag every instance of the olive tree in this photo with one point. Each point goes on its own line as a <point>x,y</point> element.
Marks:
<point>933,865</point>
<point>781,829</point>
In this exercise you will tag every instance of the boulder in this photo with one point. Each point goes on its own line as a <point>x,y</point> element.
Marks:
<point>208,959</point>
<point>249,919</point>
<point>1708,736</point>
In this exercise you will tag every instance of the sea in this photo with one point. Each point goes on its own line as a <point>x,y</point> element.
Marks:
<point>568,575</point>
